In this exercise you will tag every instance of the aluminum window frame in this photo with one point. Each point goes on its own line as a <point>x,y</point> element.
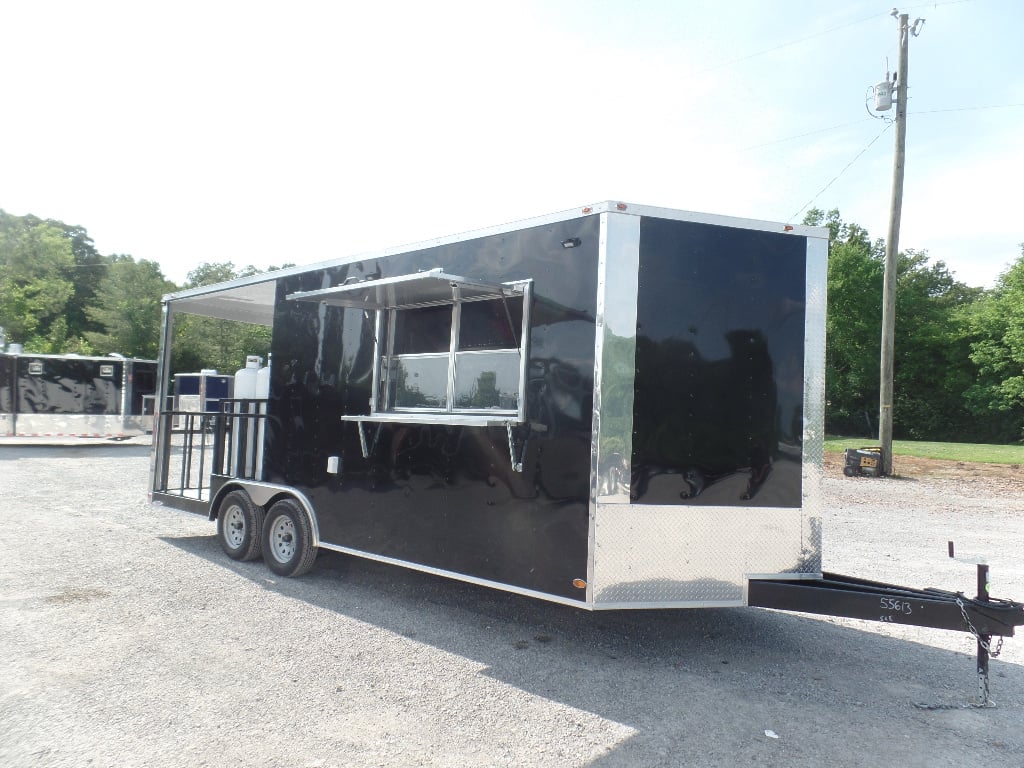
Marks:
<point>388,296</point>
<point>385,363</point>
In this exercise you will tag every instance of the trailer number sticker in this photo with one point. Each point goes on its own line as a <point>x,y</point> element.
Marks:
<point>107,371</point>
<point>35,368</point>
<point>896,606</point>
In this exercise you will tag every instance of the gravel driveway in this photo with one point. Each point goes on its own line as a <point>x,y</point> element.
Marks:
<point>128,639</point>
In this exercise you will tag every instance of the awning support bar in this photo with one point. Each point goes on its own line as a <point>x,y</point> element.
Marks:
<point>368,451</point>
<point>517,461</point>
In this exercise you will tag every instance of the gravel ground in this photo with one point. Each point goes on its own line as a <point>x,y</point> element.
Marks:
<point>128,639</point>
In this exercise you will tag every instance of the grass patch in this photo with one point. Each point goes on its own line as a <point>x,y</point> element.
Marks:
<point>974,452</point>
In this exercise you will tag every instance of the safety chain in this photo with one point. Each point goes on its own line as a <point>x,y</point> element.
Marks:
<point>993,653</point>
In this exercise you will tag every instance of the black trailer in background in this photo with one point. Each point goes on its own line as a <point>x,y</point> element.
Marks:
<point>73,395</point>
<point>612,407</point>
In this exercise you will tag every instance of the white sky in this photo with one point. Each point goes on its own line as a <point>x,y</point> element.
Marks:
<point>264,133</point>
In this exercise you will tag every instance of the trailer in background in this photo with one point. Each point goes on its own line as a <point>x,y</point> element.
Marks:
<point>76,396</point>
<point>202,392</point>
<point>610,407</point>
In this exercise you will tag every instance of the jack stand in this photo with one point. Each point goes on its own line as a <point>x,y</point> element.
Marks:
<point>983,641</point>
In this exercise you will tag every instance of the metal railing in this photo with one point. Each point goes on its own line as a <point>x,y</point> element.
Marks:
<point>199,444</point>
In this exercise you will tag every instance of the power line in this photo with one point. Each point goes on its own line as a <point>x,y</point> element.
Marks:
<point>802,135</point>
<point>862,120</point>
<point>967,109</point>
<point>857,157</point>
<point>811,36</point>
<point>749,56</point>
<point>937,4</point>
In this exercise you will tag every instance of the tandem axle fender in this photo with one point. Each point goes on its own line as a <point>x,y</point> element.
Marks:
<point>835,595</point>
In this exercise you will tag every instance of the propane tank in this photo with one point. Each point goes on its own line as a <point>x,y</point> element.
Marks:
<point>262,393</point>
<point>263,383</point>
<point>243,433</point>
<point>245,378</point>
<point>883,96</point>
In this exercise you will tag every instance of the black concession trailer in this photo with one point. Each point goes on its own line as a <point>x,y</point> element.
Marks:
<point>615,406</point>
<point>76,396</point>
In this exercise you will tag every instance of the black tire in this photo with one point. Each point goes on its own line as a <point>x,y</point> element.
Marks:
<point>240,526</point>
<point>288,540</point>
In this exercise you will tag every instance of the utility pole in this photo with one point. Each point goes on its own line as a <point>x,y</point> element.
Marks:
<point>892,242</point>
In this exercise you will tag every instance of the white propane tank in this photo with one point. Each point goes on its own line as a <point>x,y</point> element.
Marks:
<point>262,393</point>
<point>263,383</point>
<point>883,96</point>
<point>243,432</point>
<point>245,378</point>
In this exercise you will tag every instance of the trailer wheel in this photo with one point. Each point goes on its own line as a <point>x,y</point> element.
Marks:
<point>240,526</point>
<point>288,540</point>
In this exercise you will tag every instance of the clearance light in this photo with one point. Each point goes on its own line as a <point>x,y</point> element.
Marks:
<point>621,206</point>
<point>588,209</point>
<point>579,583</point>
<point>788,228</point>
<point>571,242</point>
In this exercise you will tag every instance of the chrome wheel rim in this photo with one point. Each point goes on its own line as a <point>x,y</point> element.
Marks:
<point>234,526</point>
<point>282,539</point>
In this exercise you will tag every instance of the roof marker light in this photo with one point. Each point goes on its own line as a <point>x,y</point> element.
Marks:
<point>579,583</point>
<point>621,206</point>
<point>788,228</point>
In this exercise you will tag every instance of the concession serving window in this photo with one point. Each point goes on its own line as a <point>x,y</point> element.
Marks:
<point>449,350</point>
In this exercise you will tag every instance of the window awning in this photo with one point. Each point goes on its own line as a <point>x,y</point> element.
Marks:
<point>415,290</point>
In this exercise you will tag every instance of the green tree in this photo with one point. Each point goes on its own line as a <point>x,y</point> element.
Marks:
<point>853,325</point>
<point>209,273</point>
<point>85,274</point>
<point>35,258</point>
<point>206,342</point>
<point>931,369</point>
<point>996,324</point>
<point>127,308</point>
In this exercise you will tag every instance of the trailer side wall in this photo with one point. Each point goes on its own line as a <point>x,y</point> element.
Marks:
<point>441,496</point>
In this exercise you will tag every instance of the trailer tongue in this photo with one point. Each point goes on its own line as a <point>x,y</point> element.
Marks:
<point>983,617</point>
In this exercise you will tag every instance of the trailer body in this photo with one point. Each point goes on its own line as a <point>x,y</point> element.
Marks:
<point>614,407</point>
<point>75,396</point>
<point>611,407</point>
<point>202,391</point>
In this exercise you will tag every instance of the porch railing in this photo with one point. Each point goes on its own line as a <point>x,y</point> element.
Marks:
<point>193,446</point>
